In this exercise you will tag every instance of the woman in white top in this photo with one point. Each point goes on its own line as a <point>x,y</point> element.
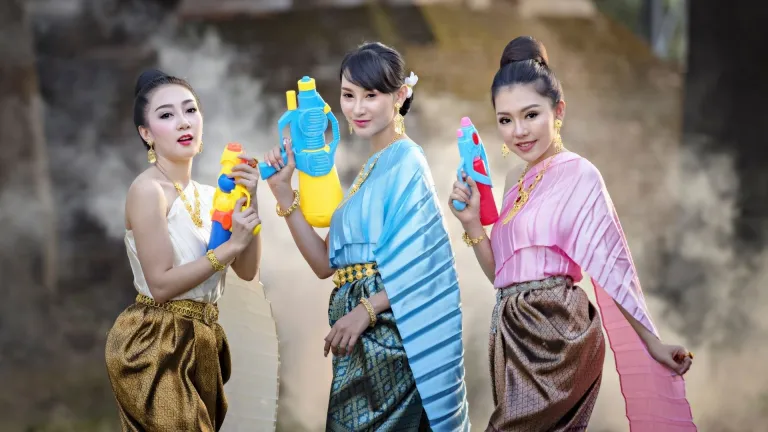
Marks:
<point>167,357</point>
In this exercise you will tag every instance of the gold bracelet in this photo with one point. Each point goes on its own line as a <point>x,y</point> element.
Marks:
<point>286,213</point>
<point>214,261</point>
<point>371,314</point>
<point>472,241</point>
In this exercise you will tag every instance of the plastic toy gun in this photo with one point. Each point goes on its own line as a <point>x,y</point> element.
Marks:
<point>318,180</point>
<point>474,163</point>
<point>226,195</point>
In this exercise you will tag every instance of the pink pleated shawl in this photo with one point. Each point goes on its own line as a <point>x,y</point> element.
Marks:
<point>570,224</point>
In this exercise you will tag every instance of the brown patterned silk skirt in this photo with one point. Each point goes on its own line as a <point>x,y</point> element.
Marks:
<point>167,364</point>
<point>546,353</point>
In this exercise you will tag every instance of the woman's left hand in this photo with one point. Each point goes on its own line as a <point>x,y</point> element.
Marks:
<point>247,175</point>
<point>346,331</point>
<point>674,357</point>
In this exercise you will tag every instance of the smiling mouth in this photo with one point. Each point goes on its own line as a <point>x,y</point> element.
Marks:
<point>525,146</point>
<point>185,139</point>
<point>361,122</point>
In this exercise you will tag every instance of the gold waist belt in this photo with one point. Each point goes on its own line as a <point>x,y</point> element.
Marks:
<point>205,312</point>
<point>354,273</point>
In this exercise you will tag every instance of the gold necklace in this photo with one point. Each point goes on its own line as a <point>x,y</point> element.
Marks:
<point>522,194</point>
<point>195,215</point>
<point>363,175</point>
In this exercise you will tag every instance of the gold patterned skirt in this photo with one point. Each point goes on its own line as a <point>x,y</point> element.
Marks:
<point>546,354</point>
<point>167,365</point>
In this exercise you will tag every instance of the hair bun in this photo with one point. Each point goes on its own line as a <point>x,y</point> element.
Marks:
<point>147,77</point>
<point>524,48</point>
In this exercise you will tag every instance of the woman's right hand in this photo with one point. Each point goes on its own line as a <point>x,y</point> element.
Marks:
<point>468,195</point>
<point>280,182</point>
<point>244,220</point>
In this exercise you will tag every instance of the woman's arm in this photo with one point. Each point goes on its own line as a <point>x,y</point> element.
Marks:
<point>246,265</point>
<point>470,221</point>
<point>674,357</point>
<point>146,213</point>
<point>312,247</point>
<point>475,230</point>
<point>482,249</point>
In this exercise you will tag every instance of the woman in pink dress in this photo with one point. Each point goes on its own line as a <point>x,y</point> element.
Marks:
<point>557,219</point>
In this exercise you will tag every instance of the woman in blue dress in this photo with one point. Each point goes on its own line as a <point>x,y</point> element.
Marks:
<point>395,313</point>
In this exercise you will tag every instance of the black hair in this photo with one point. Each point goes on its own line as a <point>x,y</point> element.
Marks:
<point>147,82</point>
<point>525,61</point>
<point>375,66</point>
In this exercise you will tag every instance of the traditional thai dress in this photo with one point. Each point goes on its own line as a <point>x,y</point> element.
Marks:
<point>168,363</point>
<point>546,341</point>
<point>406,373</point>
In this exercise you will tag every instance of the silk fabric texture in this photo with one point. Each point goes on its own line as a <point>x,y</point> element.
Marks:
<point>569,224</point>
<point>373,387</point>
<point>396,221</point>
<point>167,371</point>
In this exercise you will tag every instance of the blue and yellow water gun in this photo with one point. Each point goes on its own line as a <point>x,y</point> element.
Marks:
<point>319,186</point>
<point>474,163</point>
<point>226,195</point>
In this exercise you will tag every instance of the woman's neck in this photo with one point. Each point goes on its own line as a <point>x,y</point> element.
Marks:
<point>551,151</point>
<point>384,138</point>
<point>176,172</point>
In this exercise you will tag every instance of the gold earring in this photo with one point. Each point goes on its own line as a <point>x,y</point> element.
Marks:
<point>399,121</point>
<point>151,155</point>
<point>558,141</point>
<point>505,150</point>
<point>350,127</point>
<point>201,148</point>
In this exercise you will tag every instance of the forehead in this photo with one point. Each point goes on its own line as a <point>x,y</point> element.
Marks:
<point>172,94</point>
<point>345,83</point>
<point>519,96</point>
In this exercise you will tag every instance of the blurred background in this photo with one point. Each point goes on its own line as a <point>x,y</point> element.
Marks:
<point>665,97</point>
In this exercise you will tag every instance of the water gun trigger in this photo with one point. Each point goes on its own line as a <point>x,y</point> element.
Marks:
<point>479,177</point>
<point>257,228</point>
<point>247,199</point>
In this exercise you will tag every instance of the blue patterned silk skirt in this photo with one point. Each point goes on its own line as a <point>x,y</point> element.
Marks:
<point>373,389</point>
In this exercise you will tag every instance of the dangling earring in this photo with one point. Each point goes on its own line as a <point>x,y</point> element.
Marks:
<point>558,141</point>
<point>350,127</point>
<point>201,148</point>
<point>399,121</point>
<point>504,150</point>
<point>151,155</point>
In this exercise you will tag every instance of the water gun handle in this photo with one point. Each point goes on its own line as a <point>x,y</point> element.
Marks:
<point>335,130</point>
<point>266,171</point>
<point>460,205</point>
<point>257,228</point>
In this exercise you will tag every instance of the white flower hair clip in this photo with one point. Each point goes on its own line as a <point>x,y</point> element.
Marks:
<point>411,81</point>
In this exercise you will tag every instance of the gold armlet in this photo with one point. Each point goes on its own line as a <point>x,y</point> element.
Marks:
<point>472,241</point>
<point>214,261</point>
<point>371,314</point>
<point>287,212</point>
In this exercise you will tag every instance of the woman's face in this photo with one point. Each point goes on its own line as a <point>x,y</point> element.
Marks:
<point>526,121</point>
<point>369,111</point>
<point>174,123</point>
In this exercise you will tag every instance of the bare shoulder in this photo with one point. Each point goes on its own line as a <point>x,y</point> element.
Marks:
<point>145,192</point>
<point>512,176</point>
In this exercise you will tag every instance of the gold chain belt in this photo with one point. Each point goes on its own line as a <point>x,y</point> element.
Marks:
<point>205,312</point>
<point>353,273</point>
